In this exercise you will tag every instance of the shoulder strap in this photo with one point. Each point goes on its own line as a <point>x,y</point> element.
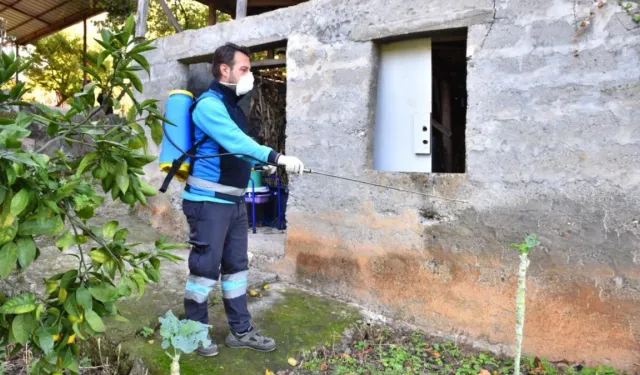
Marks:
<point>179,161</point>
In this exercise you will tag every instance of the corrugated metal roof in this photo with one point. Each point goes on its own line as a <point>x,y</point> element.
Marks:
<point>254,7</point>
<point>29,20</point>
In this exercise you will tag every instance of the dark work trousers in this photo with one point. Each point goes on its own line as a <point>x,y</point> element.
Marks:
<point>218,235</point>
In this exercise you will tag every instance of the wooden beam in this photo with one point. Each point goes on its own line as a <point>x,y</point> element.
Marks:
<point>84,50</point>
<point>17,57</point>
<point>266,64</point>
<point>447,142</point>
<point>241,9</point>
<point>67,21</point>
<point>446,132</point>
<point>169,14</point>
<point>212,13</point>
<point>141,17</point>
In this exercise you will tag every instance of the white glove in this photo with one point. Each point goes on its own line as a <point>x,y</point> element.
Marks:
<point>291,163</point>
<point>268,170</point>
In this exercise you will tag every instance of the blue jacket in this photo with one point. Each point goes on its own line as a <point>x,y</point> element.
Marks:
<point>218,117</point>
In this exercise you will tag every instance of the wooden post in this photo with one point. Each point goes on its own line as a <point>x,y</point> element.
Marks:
<point>447,142</point>
<point>169,14</point>
<point>141,17</point>
<point>84,50</point>
<point>212,12</point>
<point>17,57</point>
<point>241,9</point>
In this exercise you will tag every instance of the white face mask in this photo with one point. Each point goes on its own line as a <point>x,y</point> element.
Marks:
<point>244,85</point>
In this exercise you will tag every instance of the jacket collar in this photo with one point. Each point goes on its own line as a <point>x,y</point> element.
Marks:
<point>228,93</point>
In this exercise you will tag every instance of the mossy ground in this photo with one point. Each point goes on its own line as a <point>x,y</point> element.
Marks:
<point>296,320</point>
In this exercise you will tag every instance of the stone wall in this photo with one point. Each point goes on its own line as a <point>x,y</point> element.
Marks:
<point>550,149</point>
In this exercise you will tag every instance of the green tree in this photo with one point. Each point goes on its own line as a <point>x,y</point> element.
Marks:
<point>57,64</point>
<point>189,13</point>
<point>47,193</point>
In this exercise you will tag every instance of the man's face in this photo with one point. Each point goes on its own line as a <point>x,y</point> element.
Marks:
<point>241,67</point>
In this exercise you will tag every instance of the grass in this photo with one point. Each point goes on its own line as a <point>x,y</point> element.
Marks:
<point>377,350</point>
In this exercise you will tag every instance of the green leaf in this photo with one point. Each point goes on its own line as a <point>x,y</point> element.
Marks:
<point>120,318</point>
<point>21,158</point>
<point>104,293</point>
<point>142,47</point>
<point>62,295</point>
<point>121,235</point>
<point>155,262</point>
<point>142,61</point>
<point>86,161</point>
<point>532,240</point>
<point>156,131</point>
<point>127,30</point>
<point>65,241</point>
<point>139,280</point>
<point>636,18</point>
<point>108,165</point>
<point>19,202</point>
<point>8,258</point>
<point>99,255</point>
<point>68,277</point>
<point>132,113</point>
<point>76,329</point>
<point>84,298</point>
<point>95,322</point>
<point>22,327</point>
<point>122,177</point>
<point>51,226</point>
<point>26,251</point>
<point>92,72</point>
<point>109,229</point>
<point>101,57</point>
<point>167,255</point>
<point>20,304</point>
<point>135,80</point>
<point>152,273</point>
<point>45,341</point>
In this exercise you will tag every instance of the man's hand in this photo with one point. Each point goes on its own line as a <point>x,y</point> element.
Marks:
<point>269,170</point>
<point>291,163</point>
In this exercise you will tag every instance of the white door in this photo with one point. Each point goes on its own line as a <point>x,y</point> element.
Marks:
<point>402,140</point>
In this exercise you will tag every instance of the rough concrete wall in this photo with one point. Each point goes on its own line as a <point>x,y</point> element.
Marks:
<point>547,151</point>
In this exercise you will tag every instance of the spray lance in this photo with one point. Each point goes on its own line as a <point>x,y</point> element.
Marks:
<point>185,154</point>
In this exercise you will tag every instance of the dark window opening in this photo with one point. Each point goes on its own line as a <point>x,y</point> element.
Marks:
<point>449,109</point>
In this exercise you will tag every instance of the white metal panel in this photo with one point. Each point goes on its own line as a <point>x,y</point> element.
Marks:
<point>402,140</point>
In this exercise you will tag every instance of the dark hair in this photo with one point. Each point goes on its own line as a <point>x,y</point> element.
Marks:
<point>226,55</point>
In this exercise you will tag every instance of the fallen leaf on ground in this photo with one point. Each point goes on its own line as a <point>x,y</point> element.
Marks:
<point>252,293</point>
<point>268,372</point>
<point>265,286</point>
<point>346,356</point>
<point>150,341</point>
<point>292,362</point>
<point>324,366</point>
<point>484,372</point>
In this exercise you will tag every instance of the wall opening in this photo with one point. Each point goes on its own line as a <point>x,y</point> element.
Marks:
<point>265,108</point>
<point>449,109</point>
<point>265,111</point>
<point>421,104</point>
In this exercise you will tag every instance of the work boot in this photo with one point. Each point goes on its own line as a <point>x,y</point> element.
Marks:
<point>209,351</point>
<point>252,340</point>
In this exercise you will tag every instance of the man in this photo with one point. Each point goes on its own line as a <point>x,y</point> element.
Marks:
<point>213,200</point>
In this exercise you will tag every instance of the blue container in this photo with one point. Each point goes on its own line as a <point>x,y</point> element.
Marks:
<point>178,112</point>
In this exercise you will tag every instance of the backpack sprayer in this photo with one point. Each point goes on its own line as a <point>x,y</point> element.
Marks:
<point>175,161</point>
